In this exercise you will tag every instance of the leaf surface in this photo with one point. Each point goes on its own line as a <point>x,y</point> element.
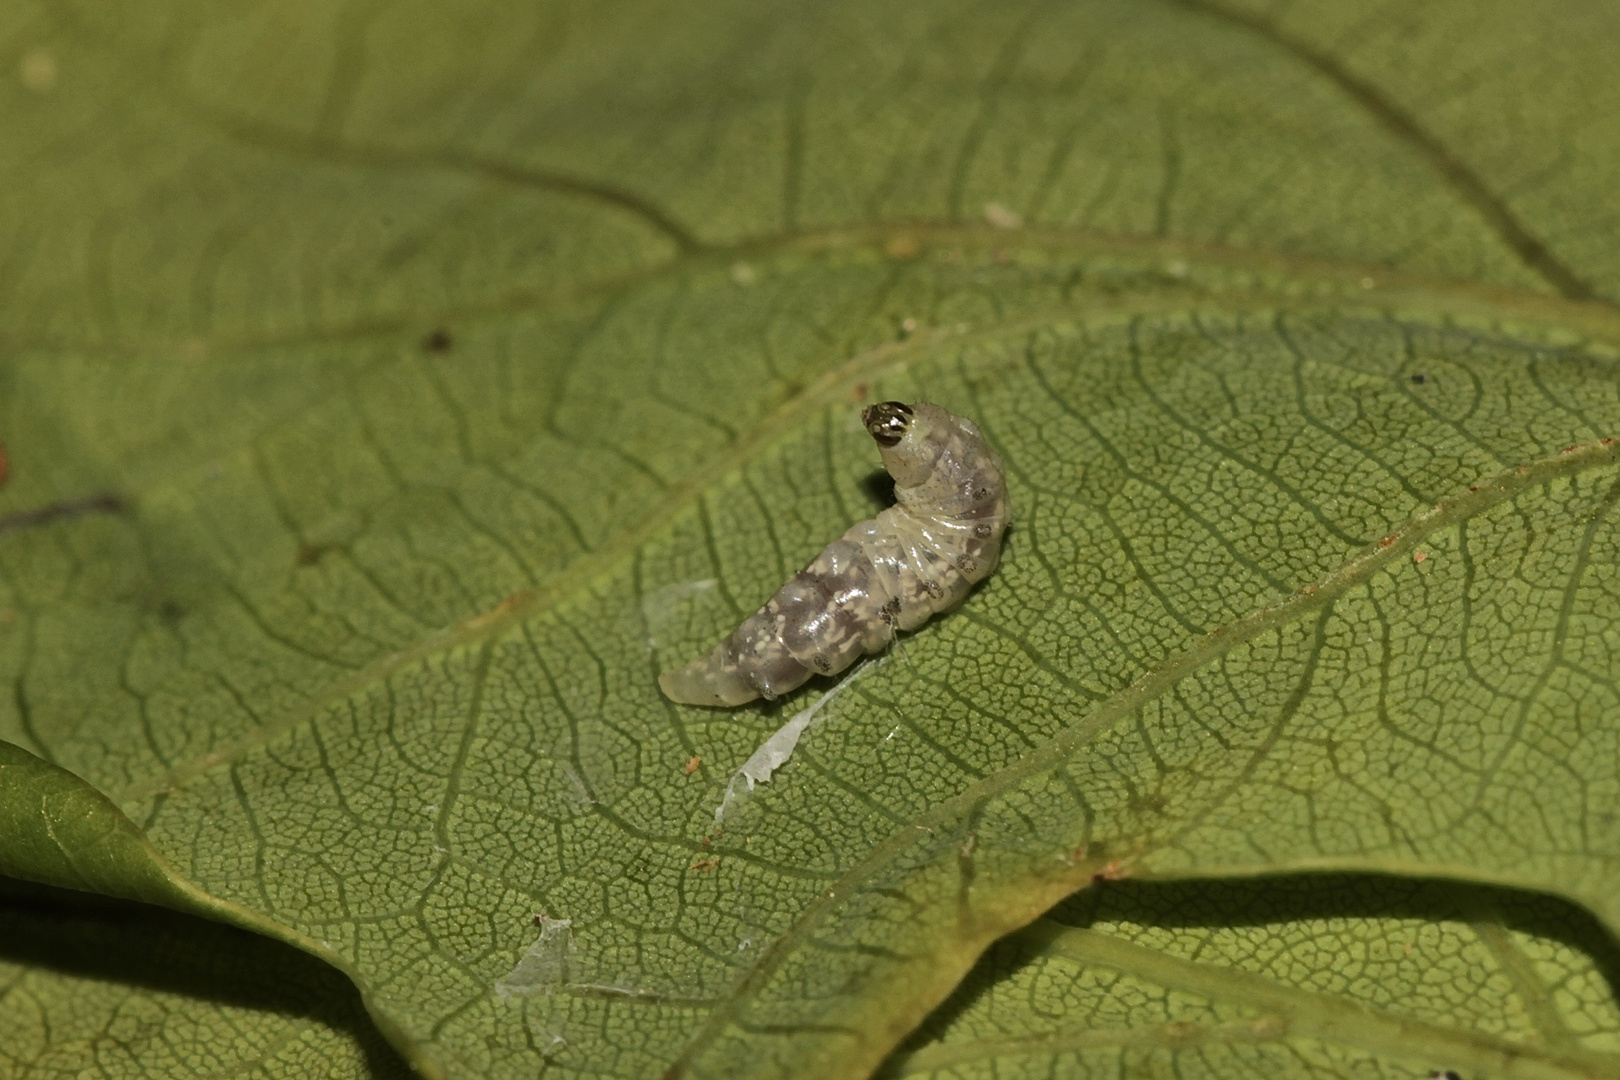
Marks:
<point>1332,975</point>
<point>121,989</point>
<point>392,391</point>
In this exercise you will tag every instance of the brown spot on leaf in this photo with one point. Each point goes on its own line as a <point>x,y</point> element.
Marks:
<point>692,764</point>
<point>438,341</point>
<point>1113,870</point>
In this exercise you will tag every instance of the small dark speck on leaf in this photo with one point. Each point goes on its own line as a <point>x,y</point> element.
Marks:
<point>5,465</point>
<point>1420,378</point>
<point>310,554</point>
<point>439,341</point>
<point>171,612</point>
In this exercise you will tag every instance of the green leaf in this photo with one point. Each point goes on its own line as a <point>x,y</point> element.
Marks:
<point>1334,975</point>
<point>62,832</point>
<point>119,989</point>
<point>389,394</point>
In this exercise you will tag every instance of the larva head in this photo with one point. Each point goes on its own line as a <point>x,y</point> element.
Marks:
<point>908,436</point>
<point>887,422</point>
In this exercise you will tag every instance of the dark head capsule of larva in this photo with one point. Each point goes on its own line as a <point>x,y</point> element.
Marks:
<point>916,559</point>
<point>887,421</point>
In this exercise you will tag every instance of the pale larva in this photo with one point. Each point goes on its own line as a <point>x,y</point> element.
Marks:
<point>915,559</point>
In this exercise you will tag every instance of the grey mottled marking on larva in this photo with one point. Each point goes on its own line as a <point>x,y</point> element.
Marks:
<point>915,559</point>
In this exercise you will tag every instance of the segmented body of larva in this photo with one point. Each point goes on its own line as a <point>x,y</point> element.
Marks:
<point>915,559</point>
